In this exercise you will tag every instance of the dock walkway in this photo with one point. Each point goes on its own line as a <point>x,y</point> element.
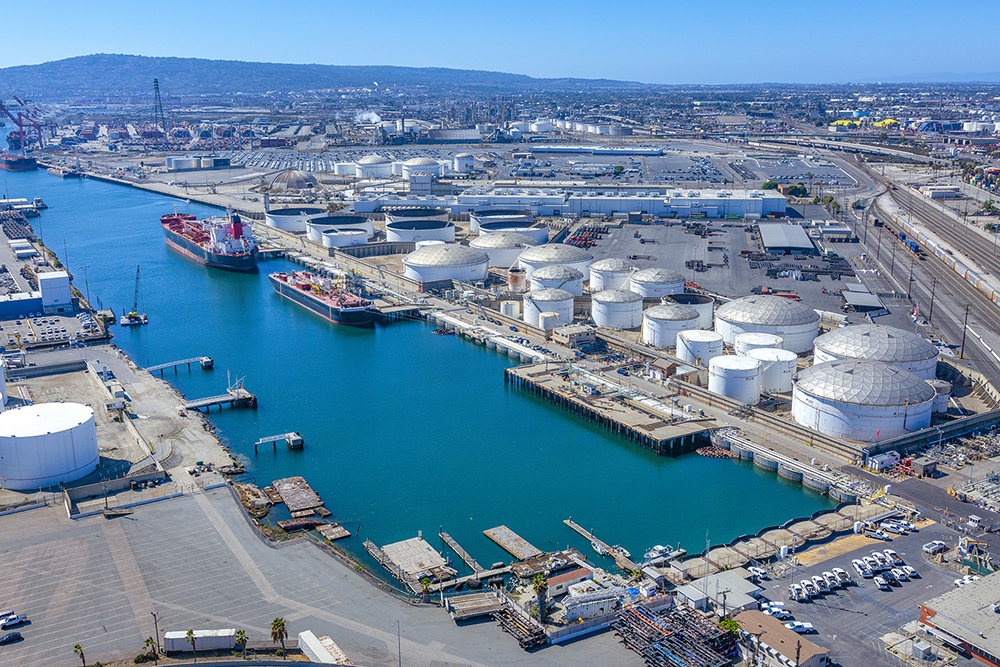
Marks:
<point>462,581</point>
<point>205,362</point>
<point>237,398</point>
<point>512,543</point>
<point>622,562</point>
<point>293,440</point>
<point>394,569</point>
<point>462,553</point>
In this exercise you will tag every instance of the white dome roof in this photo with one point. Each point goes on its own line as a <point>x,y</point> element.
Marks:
<point>374,159</point>
<point>420,162</point>
<point>863,382</point>
<point>548,294</point>
<point>556,253</point>
<point>502,240</point>
<point>766,310</point>
<point>445,254</point>
<point>556,272</point>
<point>671,312</point>
<point>465,155</point>
<point>612,264</point>
<point>616,296</point>
<point>876,342</point>
<point>42,418</point>
<point>657,275</point>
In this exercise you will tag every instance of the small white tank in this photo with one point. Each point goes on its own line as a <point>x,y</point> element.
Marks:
<point>549,321</point>
<point>698,346</point>
<point>942,395</point>
<point>735,377</point>
<point>660,324</point>
<point>705,305</point>
<point>777,368</point>
<point>752,340</point>
<point>511,309</point>
<point>541,301</point>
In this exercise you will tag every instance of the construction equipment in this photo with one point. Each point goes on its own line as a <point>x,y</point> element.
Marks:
<point>133,318</point>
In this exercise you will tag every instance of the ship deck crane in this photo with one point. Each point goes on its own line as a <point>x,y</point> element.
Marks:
<point>133,318</point>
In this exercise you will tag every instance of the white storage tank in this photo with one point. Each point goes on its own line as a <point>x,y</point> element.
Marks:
<point>541,126</point>
<point>777,368</point>
<point>345,169</point>
<point>515,218</point>
<point>338,237</point>
<point>517,280</point>
<point>554,253</point>
<point>541,301</point>
<point>558,276</point>
<point>617,309</point>
<point>511,309</point>
<point>47,444</point>
<point>735,377</point>
<point>411,230</point>
<point>654,283</point>
<point>610,273</point>
<point>465,162</point>
<point>797,324</point>
<point>373,166</point>
<point>187,163</point>
<point>745,342</point>
<point>503,248</point>
<point>698,346</point>
<point>942,390</point>
<point>876,342</point>
<point>536,230</point>
<point>549,321</point>
<point>705,305</point>
<point>661,324</point>
<point>861,400</point>
<point>293,219</point>
<point>446,261</point>
<point>401,213</point>
<point>421,165</point>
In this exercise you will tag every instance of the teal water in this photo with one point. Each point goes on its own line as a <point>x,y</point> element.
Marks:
<point>404,430</point>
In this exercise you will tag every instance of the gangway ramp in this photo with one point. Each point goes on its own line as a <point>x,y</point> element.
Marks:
<point>205,362</point>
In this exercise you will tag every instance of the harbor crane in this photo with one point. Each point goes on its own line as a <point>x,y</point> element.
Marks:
<point>30,123</point>
<point>133,318</point>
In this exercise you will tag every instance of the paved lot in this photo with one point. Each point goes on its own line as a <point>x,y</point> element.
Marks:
<point>196,563</point>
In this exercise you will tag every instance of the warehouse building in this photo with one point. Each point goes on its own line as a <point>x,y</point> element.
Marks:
<point>785,239</point>
<point>776,645</point>
<point>967,618</point>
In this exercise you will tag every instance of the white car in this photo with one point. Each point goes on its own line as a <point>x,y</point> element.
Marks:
<point>821,584</point>
<point>799,627</point>
<point>882,583</point>
<point>900,574</point>
<point>842,575</point>
<point>797,592</point>
<point>893,557</point>
<point>832,580</point>
<point>778,613</point>
<point>12,621</point>
<point>810,588</point>
<point>872,564</point>
<point>935,547</point>
<point>960,582</point>
<point>910,572</point>
<point>757,572</point>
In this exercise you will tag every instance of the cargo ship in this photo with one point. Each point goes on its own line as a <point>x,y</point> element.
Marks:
<point>323,297</point>
<point>225,243</point>
<point>14,162</point>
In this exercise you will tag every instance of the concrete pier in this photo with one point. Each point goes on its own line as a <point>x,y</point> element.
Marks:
<point>462,553</point>
<point>620,560</point>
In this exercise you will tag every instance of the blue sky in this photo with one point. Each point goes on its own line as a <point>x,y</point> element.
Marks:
<point>711,41</point>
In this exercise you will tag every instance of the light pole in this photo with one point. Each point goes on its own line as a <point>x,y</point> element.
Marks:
<point>87,284</point>
<point>156,628</point>
<point>965,327</point>
<point>930,312</point>
<point>399,651</point>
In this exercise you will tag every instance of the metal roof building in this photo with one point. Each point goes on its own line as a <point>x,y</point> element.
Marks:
<point>785,239</point>
<point>966,617</point>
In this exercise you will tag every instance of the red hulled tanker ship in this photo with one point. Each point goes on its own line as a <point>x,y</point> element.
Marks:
<point>225,243</point>
<point>323,297</point>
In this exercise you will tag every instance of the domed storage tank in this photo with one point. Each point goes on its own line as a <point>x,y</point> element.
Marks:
<point>540,301</point>
<point>514,217</point>
<point>861,400</point>
<point>410,230</point>
<point>777,368</point>
<point>875,342</point>
<point>293,219</point>
<point>549,321</point>
<point>745,342</point>
<point>660,324</point>
<point>652,283</point>
<point>420,165</point>
<point>942,389</point>
<point>737,378</point>
<point>536,230</point>
<point>464,163</point>
<point>45,444</point>
<point>554,253</point>
<point>617,309</point>
<point>610,273</point>
<point>705,305</point>
<point>503,248</point>
<point>796,323</point>
<point>338,237</point>
<point>698,346</point>
<point>373,166</point>
<point>558,276</point>
<point>446,261</point>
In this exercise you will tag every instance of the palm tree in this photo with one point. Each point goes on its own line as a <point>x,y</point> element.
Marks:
<point>150,646</point>
<point>191,640</point>
<point>241,640</point>
<point>541,585</point>
<point>78,650</point>
<point>279,634</point>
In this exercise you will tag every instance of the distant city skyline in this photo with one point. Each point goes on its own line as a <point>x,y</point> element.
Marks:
<point>662,43</point>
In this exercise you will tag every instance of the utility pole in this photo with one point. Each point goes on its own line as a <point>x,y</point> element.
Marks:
<point>399,652</point>
<point>965,328</point>
<point>156,628</point>
<point>930,312</point>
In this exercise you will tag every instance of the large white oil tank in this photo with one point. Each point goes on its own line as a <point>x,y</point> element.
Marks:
<point>698,346</point>
<point>660,324</point>
<point>515,217</point>
<point>503,248</point>
<point>705,305</point>
<point>617,309</point>
<point>373,166</point>
<point>536,230</point>
<point>735,377</point>
<point>796,323</point>
<point>345,169</point>
<point>317,226</point>
<point>861,400</point>
<point>47,444</point>
<point>446,261</point>
<point>465,162</point>
<point>338,237</point>
<point>656,282</point>
<point>752,340</point>
<point>558,276</point>
<point>541,126</point>
<point>610,273</point>
<point>541,301</point>
<point>549,321</point>
<point>876,342</point>
<point>410,230</point>
<point>187,163</point>
<point>777,368</point>
<point>554,253</point>
<point>293,219</point>
<point>421,165</point>
<point>942,389</point>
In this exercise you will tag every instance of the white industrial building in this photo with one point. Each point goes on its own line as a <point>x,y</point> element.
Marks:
<point>699,346</point>
<point>57,297</point>
<point>655,283</point>
<point>777,368</point>
<point>861,400</point>
<point>617,309</point>
<point>548,300</point>
<point>661,324</point>
<point>445,261</point>
<point>797,324</point>
<point>558,276</point>
<point>555,253</point>
<point>610,273</point>
<point>735,377</point>
<point>875,342</point>
<point>502,248</point>
<point>785,239</point>
<point>753,340</point>
<point>45,444</point>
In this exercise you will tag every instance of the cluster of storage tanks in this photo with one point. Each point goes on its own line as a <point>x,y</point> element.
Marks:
<point>378,166</point>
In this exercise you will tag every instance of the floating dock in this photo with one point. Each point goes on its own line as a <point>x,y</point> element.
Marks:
<point>462,607</point>
<point>512,543</point>
<point>204,362</point>
<point>333,531</point>
<point>462,553</point>
<point>297,495</point>
<point>410,561</point>
<point>620,560</point>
